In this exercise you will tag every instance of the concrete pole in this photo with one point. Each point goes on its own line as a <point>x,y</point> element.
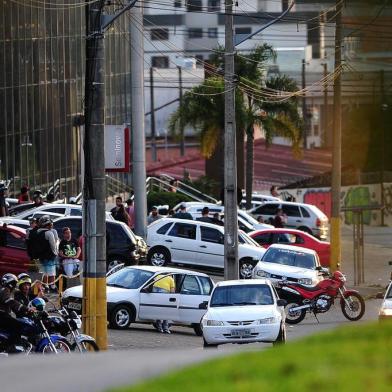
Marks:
<point>230,156</point>
<point>337,146</point>
<point>384,108</point>
<point>94,189</point>
<point>138,131</point>
<point>182,136</point>
<point>325,117</point>
<point>304,114</point>
<point>152,110</point>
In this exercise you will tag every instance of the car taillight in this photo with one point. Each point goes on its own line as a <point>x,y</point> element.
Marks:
<point>318,222</point>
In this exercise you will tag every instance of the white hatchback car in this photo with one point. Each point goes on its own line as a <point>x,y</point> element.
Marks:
<point>181,241</point>
<point>131,298</point>
<point>243,311</point>
<point>291,263</point>
<point>385,312</point>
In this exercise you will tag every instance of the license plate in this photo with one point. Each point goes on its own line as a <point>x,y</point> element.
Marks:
<point>74,306</point>
<point>240,332</point>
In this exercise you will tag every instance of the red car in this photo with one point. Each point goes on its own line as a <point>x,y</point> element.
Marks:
<point>13,253</point>
<point>267,237</point>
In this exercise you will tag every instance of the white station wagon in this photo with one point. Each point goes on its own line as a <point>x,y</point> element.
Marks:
<point>182,241</point>
<point>131,298</point>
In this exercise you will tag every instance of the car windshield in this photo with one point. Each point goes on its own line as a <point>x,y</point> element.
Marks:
<point>129,278</point>
<point>290,257</point>
<point>242,295</point>
<point>252,221</point>
<point>389,293</point>
<point>248,240</point>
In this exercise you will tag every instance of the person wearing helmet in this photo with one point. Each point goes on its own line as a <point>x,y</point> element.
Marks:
<point>9,304</point>
<point>47,243</point>
<point>73,200</point>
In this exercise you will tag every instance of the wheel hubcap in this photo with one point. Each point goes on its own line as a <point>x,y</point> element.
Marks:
<point>112,264</point>
<point>158,259</point>
<point>291,314</point>
<point>246,270</point>
<point>122,318</point>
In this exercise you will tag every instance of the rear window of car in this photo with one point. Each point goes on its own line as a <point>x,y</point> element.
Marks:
<point>267,209</point>
<point>164,228</point>
<point>305,212</point>
<point>74,224</point>
<point>291,210</point>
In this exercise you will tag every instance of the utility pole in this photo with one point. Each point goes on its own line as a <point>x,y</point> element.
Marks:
<point>152,110</point>
<point>182,136</point>
<point>230,156</point>
<point>337,147</point>
<point>325,117</point>
<point>384,108</point>
<point>138,131</point>
<point>304,114</point>
<point>94,187</point>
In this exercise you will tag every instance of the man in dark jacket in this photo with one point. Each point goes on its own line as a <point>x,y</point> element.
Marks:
<point>204,216</point>
<point>182,214</point>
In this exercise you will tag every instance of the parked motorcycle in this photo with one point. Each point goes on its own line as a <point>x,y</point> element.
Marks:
<point>34,338</point>
<point>319,299</point>
<point>68,324</point>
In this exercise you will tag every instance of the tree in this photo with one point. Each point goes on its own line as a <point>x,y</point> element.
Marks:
<point>203,109</point>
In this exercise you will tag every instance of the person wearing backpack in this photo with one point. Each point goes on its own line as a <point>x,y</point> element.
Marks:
<point>47,248</point>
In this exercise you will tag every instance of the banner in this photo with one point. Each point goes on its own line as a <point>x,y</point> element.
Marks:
<point>117,148</point>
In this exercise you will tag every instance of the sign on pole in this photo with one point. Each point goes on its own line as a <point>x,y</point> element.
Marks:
<point>117,148</point>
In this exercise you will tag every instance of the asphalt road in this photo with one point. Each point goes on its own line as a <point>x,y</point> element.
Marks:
<point>137,354</point>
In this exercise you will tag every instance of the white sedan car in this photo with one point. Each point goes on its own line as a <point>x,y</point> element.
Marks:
<point>190,242</point>
<point>385,312</point>
<point>131,297</point>
<point>244,311</point>
<point>291,263</point>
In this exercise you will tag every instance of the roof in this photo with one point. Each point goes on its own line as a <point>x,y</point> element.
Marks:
<point>169,220</point>
<point>293,248</point>
<point>154,269</point>
<point>280,230</point>
<point>242,282</point>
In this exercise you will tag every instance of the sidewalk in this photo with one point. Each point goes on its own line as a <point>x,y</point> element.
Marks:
<point>377,254</point>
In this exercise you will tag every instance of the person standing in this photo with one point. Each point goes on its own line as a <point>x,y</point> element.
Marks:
<point>69,253</point>
<point>204,216</point>
<point>280,219</point>
<point>37,199</point>
<point>47,243</point>
<point>3,203</point>
<point>182,214</point>
<point>154,216</point>
<point>130,209</point>
<point>24,195</point>
<point>274,191</point>
<point>164,285</point>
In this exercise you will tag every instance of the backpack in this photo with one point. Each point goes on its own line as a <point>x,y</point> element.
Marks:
<point>40,246</point>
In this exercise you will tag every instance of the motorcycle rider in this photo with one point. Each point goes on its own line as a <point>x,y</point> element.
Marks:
<point>8,304</point>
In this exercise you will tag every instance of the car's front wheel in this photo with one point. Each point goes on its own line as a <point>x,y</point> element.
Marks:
<point>281,339</point>
<point>121,317</point>
<point>158,257</point>
<point>246,266</point>
<point>209,345</point>
<point>198,329</point>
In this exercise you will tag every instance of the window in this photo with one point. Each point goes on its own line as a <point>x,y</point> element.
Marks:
<point>305,212</point>
<point>289,257</point>
<point>177,3</point>
<point>74,224</point>
<point>267,209</point>
<point>211,235</point>
<point>164,228</point>
<point>212,32</point>
<point>195,32</point>
<point>263,239</point>
<point>116,235</point>
<point>159,34</point>
<point>183,230</point>
<point>129,278</point>
<point>243,30</point>
<point>76,212</point>
<point>213,5</point>
<point>194,5</point>
<point>12,240</point>
<point>206,285</point>
<point>160,61</point>
<point>284,238</point>
<point>290,210</point>
<point>56,210</point>
<point>190,286</point>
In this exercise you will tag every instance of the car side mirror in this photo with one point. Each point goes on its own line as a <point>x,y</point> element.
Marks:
<point>390,262</point>
<point>380,295</point>
<point>282,302</point>
<point>203,305</point>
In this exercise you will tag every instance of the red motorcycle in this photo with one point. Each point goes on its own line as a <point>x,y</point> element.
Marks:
<point>319,299</point>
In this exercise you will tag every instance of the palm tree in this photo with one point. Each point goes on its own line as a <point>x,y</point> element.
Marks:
<point>203,109</point>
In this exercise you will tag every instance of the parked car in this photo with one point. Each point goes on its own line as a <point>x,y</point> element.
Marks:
<point>131,299</point>
<point>13,253</point>
<point>385,311</point>
<point>301,216</point>
<point>23,224</point>
<point>257,200</point>
<point>121,243</point>
<point>265,238</point>
<point>291,263</point>
<point>245,221</point>
<point>244,312</point>
<point>196,243</point>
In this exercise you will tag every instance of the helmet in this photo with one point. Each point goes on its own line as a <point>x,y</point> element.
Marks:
<point>72,200</point>
<point>24,279</point>
<point>337,275</point>
<point>9,280</point>
<point>38,303</point>
<point>44,220</point>
<point>23,275</point>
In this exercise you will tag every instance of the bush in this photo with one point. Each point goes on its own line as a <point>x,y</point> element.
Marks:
<point>162,198</point>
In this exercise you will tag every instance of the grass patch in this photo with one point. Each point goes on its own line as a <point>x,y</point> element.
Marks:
<point>355,358</point>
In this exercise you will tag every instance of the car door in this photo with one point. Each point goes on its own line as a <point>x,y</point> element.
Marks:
<point>210,249</point>
<point>294,217</point>
<point>181,240</point>
<point>264,239</point>
<point>13,254</point>
<point>159,305</point>
<point>193,291</point>
<point>267,211</point>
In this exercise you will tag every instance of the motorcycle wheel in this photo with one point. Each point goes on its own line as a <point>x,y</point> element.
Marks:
<point>296,317</point>
<point>85,347</point>
<point>356,309</point>
<point>61,346</point>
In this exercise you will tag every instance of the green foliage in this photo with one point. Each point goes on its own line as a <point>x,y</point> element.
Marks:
<point>204,184</point>
<point>355,358</point>
<point>162,198</point>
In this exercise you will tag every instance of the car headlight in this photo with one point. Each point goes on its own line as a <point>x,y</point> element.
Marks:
<point>263,274</point>
<point>213,323</point>
<point>305,281</point>
<point>268,320</point>
<point>385,312</point>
